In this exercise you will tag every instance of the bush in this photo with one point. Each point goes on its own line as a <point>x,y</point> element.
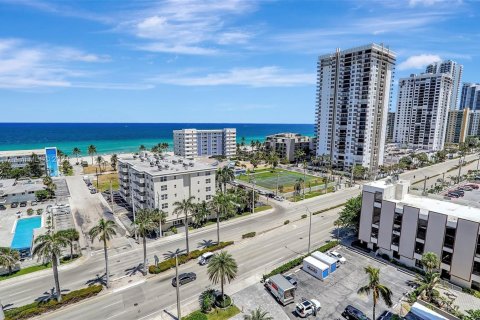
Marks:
<point>174,230</point>
<point>207,300</point>
<point>249,235</point>
<point>223,302</point>
<point>304,216</point>
<point>197,315</point>
<point>39,211</point>
<point>286,222</point>
<point>29,211</point>
<point>38,308</point>
<point>170,263</point>
<point>298,261</point>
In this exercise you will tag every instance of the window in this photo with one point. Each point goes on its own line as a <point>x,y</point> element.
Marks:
<point>478,245</point>
<point>163,179</point>
<point>446,257</point>
<point>378,197</point>
<point>164,205</point>
<point>419,247</point>
<point>449,237</point>
<point>207,173</point>
<point>376,216</point>
<point>163,188</point>
<point>395,240</point>
<point>422,229</point>
<point>208,189</point>
<point>396,255</point>
<point>208,180</point>
<point>208,197</point>
<point>374,232</point>
<point>164,196</point>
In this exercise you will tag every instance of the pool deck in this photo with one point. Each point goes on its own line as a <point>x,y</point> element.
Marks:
<point>24,231</point>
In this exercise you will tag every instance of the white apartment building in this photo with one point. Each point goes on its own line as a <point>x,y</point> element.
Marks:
<point>286,144</point>
<point>470,96</point>
<point>20,158</point>
<point>422,111</point>
<point>474,123</point>
<point>193,143</point>
<point>454,70</point>
<point>405,226</point>
<point>353,96</point>
<point>148,182</point>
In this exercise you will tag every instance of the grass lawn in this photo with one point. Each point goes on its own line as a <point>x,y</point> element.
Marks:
<point>104,181</point>
<point>262,208</point>
<point>309,195</point>
<point>268,179</point>
<point>93,169</point>
<point>217,314</point>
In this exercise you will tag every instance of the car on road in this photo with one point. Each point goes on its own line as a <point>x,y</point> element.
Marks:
<point>261,192</point>
<point>308,308</point>
<point>2,207</point>
<point>353,313</point>
<point>467,188</point>
<point>291,278</point>
<point>184,278</point>
<point>23,204</point>
<point>205,258</point>
<point>337,256</point>
<point>271,195</point>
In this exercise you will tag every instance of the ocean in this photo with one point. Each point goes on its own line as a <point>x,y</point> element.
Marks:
<point>121,137</point>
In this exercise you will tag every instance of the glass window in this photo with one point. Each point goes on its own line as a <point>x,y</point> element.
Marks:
<point>374,232</point>
<point>163,188</point>
<point>376,215</point>
<point>419,247</point>
<point>422,229</point>
<point>449,237</point>
<point>446,257</point>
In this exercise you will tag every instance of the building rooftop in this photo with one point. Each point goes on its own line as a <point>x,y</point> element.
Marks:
<point>169,165</point>
<point>12,186</point>
<point>382,48</point>
<point>19,153</point>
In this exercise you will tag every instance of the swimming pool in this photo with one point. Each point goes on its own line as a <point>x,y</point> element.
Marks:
<point>22,239</point>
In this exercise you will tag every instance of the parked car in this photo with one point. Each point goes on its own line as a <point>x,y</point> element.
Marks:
<point>472,185</point>
<point>351,312</point>
<point>33,203</point>
<point>453,195</point>
<point>337,256</point>
<point>93,191</point>
<point>184,278</point>
<point>205,258</point>
<point>261,192</point>
<point>386,315</point>
<point>278,198</point>
<point>23,204</point>
<point>460,192</point>
<point>307,308</point>
<point>2,207</point>
<point>291,278</point>
<point>271,195</point>
<point>467,188</point>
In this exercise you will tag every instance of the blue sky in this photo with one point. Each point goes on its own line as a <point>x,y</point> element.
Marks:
<point>207,61</point>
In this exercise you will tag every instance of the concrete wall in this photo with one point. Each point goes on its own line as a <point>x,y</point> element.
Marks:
<point>365,229</point>
<point>408,231</point>
<point>464,249</point>
<point>386,224</point>
<point>435,233</point>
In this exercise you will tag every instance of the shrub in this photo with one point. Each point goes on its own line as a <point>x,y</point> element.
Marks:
<point>197,315</point>
<point>170,263</point>
<point>286,222</point>
<point>223,302</point>
<point>29,211</point>
<point>174,230</point>
<point>207,300</point>
<point>304,216</point>
<point>298,261</point>
<point>249,235</point>
<point>38,308</point>
<point>39,211</point>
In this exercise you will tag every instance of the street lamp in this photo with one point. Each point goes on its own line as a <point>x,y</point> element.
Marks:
<point>309,229</point>
<point>253,194</point>
<point>460,162</point>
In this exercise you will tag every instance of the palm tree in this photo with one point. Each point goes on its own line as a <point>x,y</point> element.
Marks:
<point>159,217</point>
<point>92,150</point>
<point>273,159</point>
<point>201,213</point>
<point>377,289</point>
<point>222,267</point>
<point>185,206</point>
<point>427,283</point>
<point>76,152</point>
<point>223,176</point>
<point>72,236</point>
<point>8,258</point>
<point>257,314</point>
<point>104,231</point>
<point>221,203</point>
<point>113,161</point>
<point>430,261</point>
<point>99,161</point>
<point>144,224</point>
<point>49,246</point>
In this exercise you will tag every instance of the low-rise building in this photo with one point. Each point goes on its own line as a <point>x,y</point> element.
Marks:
<point>287,144</point>
<point>21,158</point>
<point>405,226</point>
<point>193,143</point>
<point>12,190</point>
<point>148,182</point>
<point>457,125</point>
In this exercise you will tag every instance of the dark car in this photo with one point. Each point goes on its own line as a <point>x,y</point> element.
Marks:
<point>23,204</point>
<point>14,205</point>
<point>351,312</point>
<point>184,278</point>
<point>2,207</point>
<point>291,279</point>
<point>386,315</point>
<point>271,195</point>
<point>474,186</point>
<point>460,192</point>
<point>453,195</point>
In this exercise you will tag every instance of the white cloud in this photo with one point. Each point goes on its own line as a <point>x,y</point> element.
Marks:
<point>270,76</point>
<point>428,3</point>
<point>418,61</point>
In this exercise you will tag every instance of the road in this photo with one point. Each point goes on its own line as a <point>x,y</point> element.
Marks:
<point>255,256</point>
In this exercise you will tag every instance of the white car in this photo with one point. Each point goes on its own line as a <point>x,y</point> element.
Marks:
<point>307,308</point>
<point>205,258</point>
<point>338,256</point>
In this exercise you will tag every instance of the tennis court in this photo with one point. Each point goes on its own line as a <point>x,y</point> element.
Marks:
<point>287,179</point>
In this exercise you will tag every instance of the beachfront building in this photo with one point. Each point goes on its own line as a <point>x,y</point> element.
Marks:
<point>454,70</point>
<point>470,96</point>
<point>148,182</point>
<point>353,97</point>
<point>474,123</point>
<point>405,226</point>
<point>12,190</point>
<point>21,158</point>
<point>193,143</point>
<point>422,111</point>
<point>390,126</point>
<point>457,125</point>
<point>287,145</point>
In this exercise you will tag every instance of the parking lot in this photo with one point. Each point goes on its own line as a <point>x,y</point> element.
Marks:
<point>469,195</point>
<point>339,289</point>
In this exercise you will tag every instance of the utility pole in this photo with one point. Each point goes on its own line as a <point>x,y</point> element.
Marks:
<point>424,186</point>
<point>304,178</point>
<point>459,169</point>
<point>161,215</point>
<point>179,313</point>
<point>253,196</point>
<point>276,193</point>
<point>478,162</point>
<point>111,197</point>
<point>133,209</point>
<point>96,174</point>
<point>309,230</point>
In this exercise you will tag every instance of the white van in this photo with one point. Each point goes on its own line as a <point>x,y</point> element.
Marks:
<point>205,258</point>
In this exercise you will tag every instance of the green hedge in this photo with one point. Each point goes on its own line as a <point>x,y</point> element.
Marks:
<point>298,261</point>
<point>170,263</point>
<point>286,222</point>
<point>328,209</point>
<point>249,235</point>
<point>197,315</point>
<point>38,308</point>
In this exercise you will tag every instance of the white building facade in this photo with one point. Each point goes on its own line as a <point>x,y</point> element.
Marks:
<point>194,143</point>
<point>21,158</point>
<point>405,226</point>
<point>422,111</point>
<point>353,97</point>
<point>455,71</point>
<point>287,144</point>
<point>147,182</point>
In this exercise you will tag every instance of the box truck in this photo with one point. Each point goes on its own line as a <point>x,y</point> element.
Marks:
<point>315,267</point>
<point>281,289</point>
<point>330,261</point>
